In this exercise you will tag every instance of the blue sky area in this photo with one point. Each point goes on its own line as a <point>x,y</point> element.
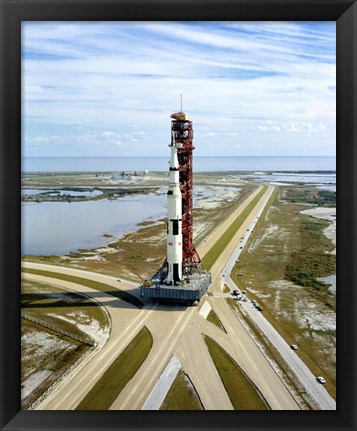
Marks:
<point>108,89</point>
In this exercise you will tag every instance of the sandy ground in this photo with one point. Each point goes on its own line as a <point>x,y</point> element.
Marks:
<point>177,331</point>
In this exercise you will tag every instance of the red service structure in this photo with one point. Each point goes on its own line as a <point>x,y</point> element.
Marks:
<point>182,136</point>
<point>182,278</point>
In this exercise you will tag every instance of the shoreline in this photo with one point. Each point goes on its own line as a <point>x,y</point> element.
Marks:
<point>330,232</point>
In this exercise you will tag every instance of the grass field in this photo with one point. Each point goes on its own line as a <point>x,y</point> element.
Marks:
<point>101,287</point>
<point>182,395</point>
<point>274,355</point>
<point>66,309</point>
<point>114,379</point>
<point>286,250</point>
<point>212,255</point>
<point>213,318</point>
<point>243,394</point>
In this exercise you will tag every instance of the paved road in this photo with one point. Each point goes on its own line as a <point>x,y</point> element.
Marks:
<point>318,393</point>
<point>212,238</point>
<point>316,390</point>
<point>176,331</point>
<point>126,322</point>
<point>186,342</point>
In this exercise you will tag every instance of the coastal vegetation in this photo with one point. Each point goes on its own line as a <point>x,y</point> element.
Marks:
<point>71,194</point>
<point>312,261</point>
<point>282,262</point>
<point>311,195</point>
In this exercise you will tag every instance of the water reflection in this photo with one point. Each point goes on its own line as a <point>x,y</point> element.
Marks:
<point>55,228</point>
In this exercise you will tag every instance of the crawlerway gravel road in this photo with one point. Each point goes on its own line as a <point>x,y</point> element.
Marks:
<point>177,331</point>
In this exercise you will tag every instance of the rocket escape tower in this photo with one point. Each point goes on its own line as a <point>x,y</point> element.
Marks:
<point>182,278</point>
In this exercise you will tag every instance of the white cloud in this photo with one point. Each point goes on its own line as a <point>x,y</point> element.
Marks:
<point>119,82</point>
<point>300,127</point>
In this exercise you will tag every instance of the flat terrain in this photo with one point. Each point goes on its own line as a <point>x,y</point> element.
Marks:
<point>179,330</point>
<point>176,330</point>
<point>58,327</point>
<point>138,254</point>
<point>303,315</point>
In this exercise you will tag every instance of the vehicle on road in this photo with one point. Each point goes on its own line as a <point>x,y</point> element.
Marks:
<point>240,247</point>
<point>259,307</point>
<point>245,300</point>
<point>235,292</point>
<point>254,301</point>
<point>321,379</point>
<point>294,346</point>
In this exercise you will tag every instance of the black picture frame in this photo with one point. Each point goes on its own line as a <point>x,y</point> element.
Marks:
<point>13,12</point>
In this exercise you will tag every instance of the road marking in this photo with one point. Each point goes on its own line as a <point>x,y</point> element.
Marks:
<point>158,394</point>
<point>149,375</point>
<point>205,309</point>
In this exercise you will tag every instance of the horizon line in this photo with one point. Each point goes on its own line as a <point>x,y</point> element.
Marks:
<point>214,156</point>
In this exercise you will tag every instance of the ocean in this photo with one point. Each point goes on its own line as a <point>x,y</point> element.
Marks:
<point>160,164</point>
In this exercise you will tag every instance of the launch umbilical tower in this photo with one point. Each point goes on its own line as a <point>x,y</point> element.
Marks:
<point>182,278</point>
<point>182,137</point>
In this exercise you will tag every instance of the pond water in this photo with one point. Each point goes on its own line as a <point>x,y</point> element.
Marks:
<point>321,181</point>
<point>55,228</point>
<point>330,279</point>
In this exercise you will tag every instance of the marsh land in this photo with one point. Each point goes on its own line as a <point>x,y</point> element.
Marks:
<point>284,265</point>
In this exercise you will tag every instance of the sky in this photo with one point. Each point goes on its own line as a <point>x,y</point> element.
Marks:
<point>108,89</point>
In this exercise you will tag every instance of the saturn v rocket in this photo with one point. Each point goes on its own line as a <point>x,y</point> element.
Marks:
<point>174,220</point>
<point>182,257</point>
<point>182,277</point>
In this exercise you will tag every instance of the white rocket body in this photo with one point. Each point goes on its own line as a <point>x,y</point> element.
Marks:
<point>174,222</point>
